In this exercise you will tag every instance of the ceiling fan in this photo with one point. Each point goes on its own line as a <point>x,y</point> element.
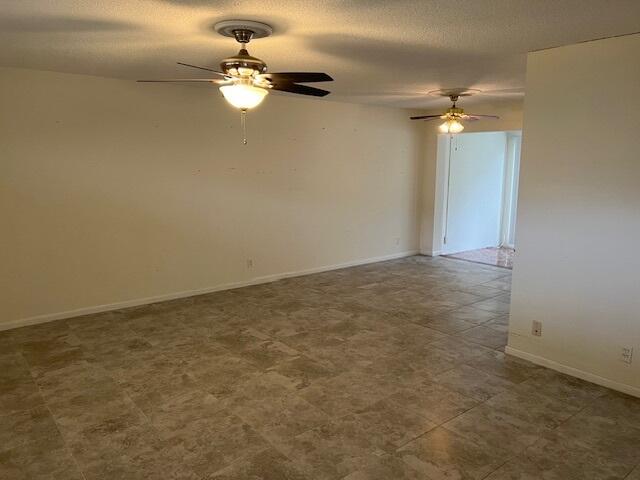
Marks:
<point>453,116</point>
<point>243,79</point>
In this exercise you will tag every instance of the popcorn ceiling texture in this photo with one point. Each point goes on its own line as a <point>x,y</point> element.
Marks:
<point>379,52</point>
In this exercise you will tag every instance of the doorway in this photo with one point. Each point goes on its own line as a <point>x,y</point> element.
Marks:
<point>480,195</point>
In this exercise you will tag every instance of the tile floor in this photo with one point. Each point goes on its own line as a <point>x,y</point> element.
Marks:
<point>500,257</point>
<point>387,371</point>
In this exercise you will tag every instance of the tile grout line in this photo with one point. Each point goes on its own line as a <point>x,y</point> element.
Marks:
<point>511,456</point>
<point>55,422</point>
<point>385,383</point>
<point>539,439</point>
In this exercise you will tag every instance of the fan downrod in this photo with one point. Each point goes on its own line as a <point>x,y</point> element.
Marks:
<point>243,31</point>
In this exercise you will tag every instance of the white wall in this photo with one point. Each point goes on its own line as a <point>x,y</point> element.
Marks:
<point>433,172</point>
<point>577,268</point>
<point>476,179</point>
<point>112,191</point>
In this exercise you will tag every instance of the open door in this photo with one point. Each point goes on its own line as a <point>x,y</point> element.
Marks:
<point>480,190</point>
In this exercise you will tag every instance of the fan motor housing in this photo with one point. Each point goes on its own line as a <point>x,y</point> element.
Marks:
<point>243,64</point>
<point>455,111</point>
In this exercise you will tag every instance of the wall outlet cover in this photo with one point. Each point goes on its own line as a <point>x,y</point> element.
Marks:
<point>626,355</point>
<point>536,328</point>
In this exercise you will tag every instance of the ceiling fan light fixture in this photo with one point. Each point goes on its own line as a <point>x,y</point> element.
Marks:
<point>243,96</point>
<point>244,78</point>
<point>451,126</point>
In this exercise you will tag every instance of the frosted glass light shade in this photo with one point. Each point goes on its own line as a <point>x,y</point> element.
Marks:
<point>451,126</point>
<point>243,96</point>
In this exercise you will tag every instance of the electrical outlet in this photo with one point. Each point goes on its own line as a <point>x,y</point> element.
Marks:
<point>397,240</point>
<point>536,328</point>
<point>626,355</point>
<point>249,263</point>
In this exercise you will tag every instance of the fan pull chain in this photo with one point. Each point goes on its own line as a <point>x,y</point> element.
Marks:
<point>243,123</point>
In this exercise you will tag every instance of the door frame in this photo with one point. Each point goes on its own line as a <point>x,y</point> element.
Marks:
<point>510,189</point>
<point>443,160</point>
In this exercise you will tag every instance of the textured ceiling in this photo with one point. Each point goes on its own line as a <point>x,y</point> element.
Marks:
<point>379,51</point>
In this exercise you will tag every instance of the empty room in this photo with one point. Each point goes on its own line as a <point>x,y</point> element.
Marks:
<point>320,240</point>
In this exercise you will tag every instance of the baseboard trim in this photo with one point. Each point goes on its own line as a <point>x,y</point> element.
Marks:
<point>50,317</point>
<point>574,372</point>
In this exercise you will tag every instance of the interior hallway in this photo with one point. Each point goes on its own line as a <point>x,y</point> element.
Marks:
<point>386,371</point>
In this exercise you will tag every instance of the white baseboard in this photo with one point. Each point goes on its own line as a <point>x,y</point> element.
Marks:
<point>432,253</point>
<point>49,317</point>
<point>574,372</point>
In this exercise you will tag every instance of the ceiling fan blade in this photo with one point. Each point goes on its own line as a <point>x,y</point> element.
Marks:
<point>426,117</point>
<point>201,68</point>
<point>482,116</point>
<point>174,80</point>
<point>297,77</point>
<point>299,89</point>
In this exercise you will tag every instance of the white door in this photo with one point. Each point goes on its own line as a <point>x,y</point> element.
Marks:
<point>473,208</point>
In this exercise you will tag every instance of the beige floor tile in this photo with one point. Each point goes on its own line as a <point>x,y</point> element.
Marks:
<point>540,410</point>
<point>486,336</point>
<point>562,387</point>
<point>607,438</point>
<point>384,467</point>
<point>473,383</point>
<point>268,464</point>
<point>301,371</point>
<point>208,440</point>
<point>634,475</point>
<point>389,425</point>
<point>482,291</point>
<point>38,462</point>
<point>462,350</point>
<point>18,390</point>
<point>503,283</point>
<point>343,394</point>
<point>618,407</point>
<point>505,366</point>
<point>434,401</point>
<point>496,428</point>
<point>493,305</point>
<point>331,451</point>
<point>446,324</point>
<point>442,454</point>
<point>554,459</point>
<point>280,417</point>
<point>383,371</point>
<point>29,426</point>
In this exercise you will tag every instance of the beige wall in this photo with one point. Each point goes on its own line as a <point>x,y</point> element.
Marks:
<point>113,191</point>
<point>433,177</point>
<point>577,265</point>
